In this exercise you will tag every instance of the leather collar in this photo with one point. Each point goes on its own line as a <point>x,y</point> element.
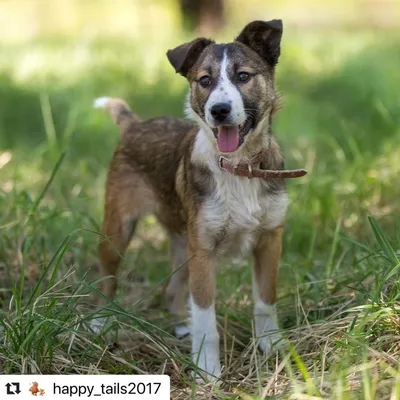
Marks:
<point>251,170</point>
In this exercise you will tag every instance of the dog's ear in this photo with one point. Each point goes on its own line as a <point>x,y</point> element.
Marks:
<point>264,38</point>
<point>184,56</point>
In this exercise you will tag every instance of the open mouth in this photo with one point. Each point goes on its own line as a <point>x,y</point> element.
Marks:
<point>230,137</point>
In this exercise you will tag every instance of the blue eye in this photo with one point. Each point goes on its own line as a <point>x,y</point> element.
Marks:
<point>243,77</point>
<point>205,81</point>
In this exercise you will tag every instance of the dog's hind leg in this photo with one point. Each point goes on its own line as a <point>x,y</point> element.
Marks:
<point>177,290</point>
<point>127,198</point>
<point>118,230</point>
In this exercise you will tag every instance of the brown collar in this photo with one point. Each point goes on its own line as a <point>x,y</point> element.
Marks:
<point>249,170</point>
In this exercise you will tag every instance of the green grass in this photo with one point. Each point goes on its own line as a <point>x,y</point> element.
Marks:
<point>338,290</point>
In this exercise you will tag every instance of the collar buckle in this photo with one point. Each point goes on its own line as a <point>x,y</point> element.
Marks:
<point>235,168</point>
<point>250,169</point>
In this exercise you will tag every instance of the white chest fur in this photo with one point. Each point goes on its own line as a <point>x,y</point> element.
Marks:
<point>231,219</point>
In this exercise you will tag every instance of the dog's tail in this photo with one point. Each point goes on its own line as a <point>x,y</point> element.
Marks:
<point>119,110</point>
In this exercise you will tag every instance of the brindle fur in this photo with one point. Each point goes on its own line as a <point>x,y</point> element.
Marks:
<point>155,171</point>
<point>152,173</point>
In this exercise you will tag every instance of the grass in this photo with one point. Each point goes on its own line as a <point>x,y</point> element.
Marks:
<point>339,278</point>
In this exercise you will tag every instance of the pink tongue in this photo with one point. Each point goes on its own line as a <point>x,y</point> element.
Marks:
<point>228,138</point>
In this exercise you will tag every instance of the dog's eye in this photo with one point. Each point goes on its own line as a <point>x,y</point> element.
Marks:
<point>205,81</point>
<point>243,76</point>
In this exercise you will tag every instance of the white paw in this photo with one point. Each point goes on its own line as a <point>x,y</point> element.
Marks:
<point>205,343</point>
<point>267,331</point>
<point>97,324</point>
<point>208,364</point>
<point>181,331</point>
<point>270,342</point>
<point>203,377</point>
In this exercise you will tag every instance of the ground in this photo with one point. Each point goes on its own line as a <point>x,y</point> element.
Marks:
<point>338,286</point>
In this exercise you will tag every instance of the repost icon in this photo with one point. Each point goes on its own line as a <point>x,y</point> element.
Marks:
<point>13,388</point>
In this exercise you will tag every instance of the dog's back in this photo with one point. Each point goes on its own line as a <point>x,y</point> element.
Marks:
<point>149,152</point>
<point>142,179</point>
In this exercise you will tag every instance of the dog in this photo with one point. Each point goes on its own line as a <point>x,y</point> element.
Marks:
<point>216,184</point>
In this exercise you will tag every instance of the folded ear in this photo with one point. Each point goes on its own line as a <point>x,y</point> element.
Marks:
<point>264,38</point>
<point>184,56</point>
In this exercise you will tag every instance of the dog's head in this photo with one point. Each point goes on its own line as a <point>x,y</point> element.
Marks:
<point>232,93</point>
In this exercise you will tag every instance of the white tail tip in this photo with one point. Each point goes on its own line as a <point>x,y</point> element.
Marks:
<point>101,102</point>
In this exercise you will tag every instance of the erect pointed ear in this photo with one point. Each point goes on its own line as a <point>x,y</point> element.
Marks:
<point>264,38</point>
<point>184,56</point>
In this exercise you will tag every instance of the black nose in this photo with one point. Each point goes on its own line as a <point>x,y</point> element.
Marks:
<point>220,111</point>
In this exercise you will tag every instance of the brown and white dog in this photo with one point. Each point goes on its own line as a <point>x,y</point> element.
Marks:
<point>214,185</point>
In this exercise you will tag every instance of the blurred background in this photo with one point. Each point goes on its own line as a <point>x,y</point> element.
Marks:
<point>338,76</point>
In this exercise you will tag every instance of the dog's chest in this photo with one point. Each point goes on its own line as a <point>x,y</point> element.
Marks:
<point>233,216</point>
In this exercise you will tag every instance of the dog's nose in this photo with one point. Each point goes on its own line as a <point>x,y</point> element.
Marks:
<point>220,111</point>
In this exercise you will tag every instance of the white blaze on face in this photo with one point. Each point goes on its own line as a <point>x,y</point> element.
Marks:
<point>226,92</point>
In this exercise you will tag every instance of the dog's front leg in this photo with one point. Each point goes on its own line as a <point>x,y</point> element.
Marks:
<point>205,338</point>
<point>267,255</point>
